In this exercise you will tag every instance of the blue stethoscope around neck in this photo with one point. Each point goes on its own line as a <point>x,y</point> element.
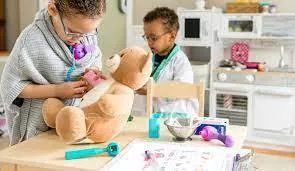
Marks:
<point>157,71</point>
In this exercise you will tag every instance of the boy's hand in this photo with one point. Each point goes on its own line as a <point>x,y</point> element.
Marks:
<point>142,90</point>
<point>68,90</point>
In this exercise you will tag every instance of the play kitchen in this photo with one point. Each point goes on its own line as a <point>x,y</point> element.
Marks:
<point>253,85</point>
<point>255,71</point>
<point>257,94</point>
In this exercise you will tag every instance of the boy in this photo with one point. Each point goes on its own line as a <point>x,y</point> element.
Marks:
<point>42,63</point>
<point>170,63</point>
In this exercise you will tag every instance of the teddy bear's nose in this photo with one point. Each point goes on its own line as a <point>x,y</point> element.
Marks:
<point>111,57</point>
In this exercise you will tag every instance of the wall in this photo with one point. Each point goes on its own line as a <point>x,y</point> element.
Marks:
<point>27,12</point>
<point>12,22</point>
<point>142,7</point>
<point>19,14</point>
<point>112,35</point>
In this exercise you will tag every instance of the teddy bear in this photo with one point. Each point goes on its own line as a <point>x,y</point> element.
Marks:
<point>104,110</point>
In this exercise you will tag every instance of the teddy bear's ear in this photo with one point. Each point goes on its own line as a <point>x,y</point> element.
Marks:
<point>147,65</point>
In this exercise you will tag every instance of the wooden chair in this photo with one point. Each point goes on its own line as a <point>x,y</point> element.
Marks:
<point>175,89</point>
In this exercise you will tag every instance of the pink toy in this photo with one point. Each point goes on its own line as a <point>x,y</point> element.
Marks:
<point>209,133</point>
<point>2,122</point>
<point>240,52</point>
<point>80,50</point>
<point>92,79</point>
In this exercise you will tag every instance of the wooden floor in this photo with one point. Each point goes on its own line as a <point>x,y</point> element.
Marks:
<point>273,152</point>
<point>4,53</point>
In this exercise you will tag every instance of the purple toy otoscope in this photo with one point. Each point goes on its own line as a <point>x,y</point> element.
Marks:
<point>209,133</point>
<point>80,50</point>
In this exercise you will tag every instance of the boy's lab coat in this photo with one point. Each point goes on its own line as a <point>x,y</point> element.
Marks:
<point>178,68</point>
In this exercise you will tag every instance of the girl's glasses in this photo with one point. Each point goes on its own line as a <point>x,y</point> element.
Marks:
<point>77,35</point>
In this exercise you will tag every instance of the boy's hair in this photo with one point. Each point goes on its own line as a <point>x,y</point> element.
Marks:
<point>169,17</point>
<point>89,8</point>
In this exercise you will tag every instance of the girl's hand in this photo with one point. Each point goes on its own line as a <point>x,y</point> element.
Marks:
<point>69,90</point>
<point>96,71</point>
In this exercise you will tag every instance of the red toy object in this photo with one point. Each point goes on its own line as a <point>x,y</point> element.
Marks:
<point>240,52</point>
<point>92,79</point>
<point>252,65</point>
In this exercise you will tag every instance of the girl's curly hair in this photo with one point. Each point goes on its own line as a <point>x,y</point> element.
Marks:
<point>89,8</point>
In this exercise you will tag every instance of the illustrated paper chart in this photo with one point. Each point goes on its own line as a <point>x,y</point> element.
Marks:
<point>172,156</point>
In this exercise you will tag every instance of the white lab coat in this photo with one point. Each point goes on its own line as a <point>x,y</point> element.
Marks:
<point>179,68</point>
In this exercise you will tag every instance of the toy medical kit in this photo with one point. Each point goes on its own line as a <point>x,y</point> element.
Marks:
<point>112,149</point>
<point>210,133</point>
<point>80,50</point>
<point>243,161</point>
<point>70,71</point>
<point>154,127</point>
<point>91,78</point>
<point>219,123</point>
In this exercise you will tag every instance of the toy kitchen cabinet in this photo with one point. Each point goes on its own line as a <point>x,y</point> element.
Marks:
<point>198,38</point>
<point>263,101</point>
<point>273,119</point>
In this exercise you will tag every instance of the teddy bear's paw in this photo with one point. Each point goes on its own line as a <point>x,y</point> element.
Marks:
<point>70,124</point>
<point>50,109</point>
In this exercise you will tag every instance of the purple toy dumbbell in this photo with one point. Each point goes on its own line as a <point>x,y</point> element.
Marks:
<point>209,133</point>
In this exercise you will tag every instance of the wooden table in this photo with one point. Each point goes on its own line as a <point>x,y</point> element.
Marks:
<point>46,151</point>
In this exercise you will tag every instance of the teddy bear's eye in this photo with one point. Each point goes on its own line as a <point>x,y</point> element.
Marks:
<point>122,55</point>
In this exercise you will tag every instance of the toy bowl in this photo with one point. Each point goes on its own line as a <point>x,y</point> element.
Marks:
<point>181,128</point>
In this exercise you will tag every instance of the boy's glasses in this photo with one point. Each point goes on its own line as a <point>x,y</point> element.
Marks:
<point>153,38</point>
<point>77,35</point>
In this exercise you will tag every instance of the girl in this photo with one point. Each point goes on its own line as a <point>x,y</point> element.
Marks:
<point>42,64</point>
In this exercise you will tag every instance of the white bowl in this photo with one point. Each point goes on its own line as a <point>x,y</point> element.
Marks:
<point>181,128</point>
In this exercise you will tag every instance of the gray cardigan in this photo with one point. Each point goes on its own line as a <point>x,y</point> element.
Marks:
<point>39,56</point>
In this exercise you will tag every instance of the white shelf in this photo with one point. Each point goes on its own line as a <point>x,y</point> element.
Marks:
<point>257,37</point>
<point>259,14</point>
